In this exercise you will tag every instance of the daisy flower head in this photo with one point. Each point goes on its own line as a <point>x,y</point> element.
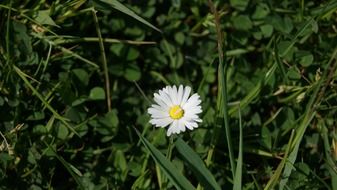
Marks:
<point>175,108</point>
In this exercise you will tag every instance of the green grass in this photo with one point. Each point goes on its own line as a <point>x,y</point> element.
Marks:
<point>77,77</point>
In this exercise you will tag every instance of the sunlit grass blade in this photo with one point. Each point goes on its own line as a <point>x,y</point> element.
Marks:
<point>238,172</point>
<point>175,177</point>
<point>277,174</point>
<point>194,162</point>
<point>255,91</point>
<point>329,160</point>
<point>23,76</point>
<point>122,8</point>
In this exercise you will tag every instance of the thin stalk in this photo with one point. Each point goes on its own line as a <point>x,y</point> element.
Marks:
<point>69,40</point>
<point>104,61</point>
<point>7,32</point>
<point>168,156</point>
<point>222,75</point>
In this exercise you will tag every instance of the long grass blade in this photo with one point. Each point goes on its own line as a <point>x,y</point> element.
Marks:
<point>238,172</point>
<point>104,61</point>
<point>194,162</point>
<point>122,8</point>
<point>22,75</point>
<point>70,168</point>
<point>175,177</point>
<point>255,91</point>
<point>313,103</point>
<point>330,161</point>
<point>277,174</point>
<point>222,85</point>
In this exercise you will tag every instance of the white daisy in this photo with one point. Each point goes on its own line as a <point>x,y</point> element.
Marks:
<point>175,108</point>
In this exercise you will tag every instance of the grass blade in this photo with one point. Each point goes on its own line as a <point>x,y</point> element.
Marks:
<point>204,176</point>
<point>330,161</point>
<point>74,172</point>
<point>238,171</point>
<point>176,178</point>
<point>104,61</point>
<point>313,103</point>
<point>120,7</point>
<point>277,174</point>
<point>22,75</point>
<point>222,85</point>
<point>255,91</point>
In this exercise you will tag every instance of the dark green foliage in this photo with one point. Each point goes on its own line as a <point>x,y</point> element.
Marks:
<point>59,132</point>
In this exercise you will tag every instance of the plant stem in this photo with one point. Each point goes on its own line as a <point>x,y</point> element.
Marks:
<point>104,61</point>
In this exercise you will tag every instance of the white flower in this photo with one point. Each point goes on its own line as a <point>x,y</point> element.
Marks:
<point>175,108</point>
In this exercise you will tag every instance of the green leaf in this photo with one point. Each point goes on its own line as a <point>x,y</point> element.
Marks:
<point>132,54</point>
<point>82,76</point>
<point>266,138</point>
<point>110,119</point>
<point>179,38</point>
<point>242,22</point>
<point>122,8</point>
<point>293,73</point>
<point>261,11</point>
<point>132,72</point>
<point>204,176</point>
<point>175,177</point>
<point>97,93</point>
<point>62,132</point>
<point>43,18</point>
<point>267,30</point>
<point>239,4</point>
<point>307,60</point>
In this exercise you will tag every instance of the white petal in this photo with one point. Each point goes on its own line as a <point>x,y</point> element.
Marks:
<point>192,124</point>
<point>155,106</point>
<point>157,113</point>
<point>160,98</point>
<point>174,94</point>
<point>181,125</point>
<point>174,128</point>
<point>187,92</point>
<point>162,122</point>
<point>165,97</point>
<point>165,89</point>
<point>192,101</point>
<point>198,120</point>
<point>160,102</point>
<point>193,110</point>
<point>169,131</point>
<point>180,94</point>
<point>189,126</point>
<point>175,91</point>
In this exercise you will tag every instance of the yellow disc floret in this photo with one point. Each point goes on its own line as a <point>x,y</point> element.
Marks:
<point>176,112</point>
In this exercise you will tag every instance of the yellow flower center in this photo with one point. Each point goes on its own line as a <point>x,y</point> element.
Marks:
<point>176,112</point>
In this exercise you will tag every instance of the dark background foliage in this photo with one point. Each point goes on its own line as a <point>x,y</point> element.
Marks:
<point>52,83</point>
